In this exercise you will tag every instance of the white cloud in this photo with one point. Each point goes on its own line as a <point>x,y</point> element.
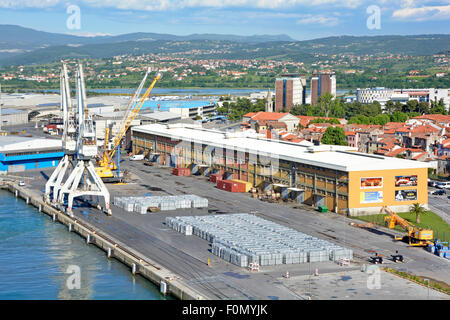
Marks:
<point>89,34</point>
<point>318,19</point>
<point>159,5</point>
<point>13,4</point>
<point>423,13</point>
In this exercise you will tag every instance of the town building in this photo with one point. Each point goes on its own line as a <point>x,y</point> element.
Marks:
<point>344,180</point>
<point>382,95</point>
<point>269,102</point>
<point>290,90</point>
<point>267,119</point>
<point>322,83</point>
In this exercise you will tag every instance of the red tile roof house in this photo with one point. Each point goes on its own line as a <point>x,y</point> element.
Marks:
<point>313,134</point>
<point>290,120</point>
<point>443,165</point>
<point>424,137</point>
<point>384,144</point>
<point>352,138</point>
<point>269,125</point>
<point>438,119</point>
<point>366,134</point>
<point>443,148</point>
<point>395,151</point>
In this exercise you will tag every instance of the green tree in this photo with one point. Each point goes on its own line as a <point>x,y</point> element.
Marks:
<point>325,102</point>
<point>399,116</point>
<point>423,108</point>
<point>418,210</point>
<point>389,107</point>
<point>438,107</point>
<point>335,136</point>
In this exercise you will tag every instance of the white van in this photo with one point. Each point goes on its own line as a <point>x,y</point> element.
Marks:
<point>137,157</point>
<point>443,185</point>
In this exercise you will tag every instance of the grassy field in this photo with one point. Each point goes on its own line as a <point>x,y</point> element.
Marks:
<point>429,220</point>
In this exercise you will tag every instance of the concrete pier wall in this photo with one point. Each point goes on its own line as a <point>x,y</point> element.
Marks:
<point>142,265</point>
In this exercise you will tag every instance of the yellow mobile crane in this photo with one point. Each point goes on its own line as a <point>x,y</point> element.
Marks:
<point>106,167</point>
<point>417,237</point>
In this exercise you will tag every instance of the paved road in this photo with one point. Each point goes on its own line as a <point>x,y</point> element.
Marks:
<point>303,218</point>
<point>440,204</point>
<point>187,256</point>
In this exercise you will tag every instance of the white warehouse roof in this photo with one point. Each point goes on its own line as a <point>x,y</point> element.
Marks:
<point>341,158</point>
<point>15,143</point>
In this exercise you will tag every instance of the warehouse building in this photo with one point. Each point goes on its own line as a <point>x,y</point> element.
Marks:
<point>12,117</point>
<point>18,154</point>
<point>336,176</point>
<point>185,109</point>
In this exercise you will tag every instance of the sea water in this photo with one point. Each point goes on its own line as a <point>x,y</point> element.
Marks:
<point>40,259</point>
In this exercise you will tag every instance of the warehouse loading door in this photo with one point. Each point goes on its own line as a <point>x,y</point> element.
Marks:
<point>16,168</point>
<point>320,200</point>
<point>173,161</point>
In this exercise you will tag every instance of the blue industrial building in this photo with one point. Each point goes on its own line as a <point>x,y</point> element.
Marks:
<point>20,153</point>
<point>184,108</point>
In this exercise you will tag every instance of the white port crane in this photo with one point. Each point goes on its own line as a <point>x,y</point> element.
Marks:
<point>69,140</point>
<point>80,148</point>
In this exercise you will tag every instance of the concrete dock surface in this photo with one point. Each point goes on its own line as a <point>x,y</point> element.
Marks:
<point>187,256</point>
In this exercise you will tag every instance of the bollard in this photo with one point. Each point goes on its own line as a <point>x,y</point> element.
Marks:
<point>163,287</point>
<point>133,268</point>
<point>88,238</point>
<point>109,252</point>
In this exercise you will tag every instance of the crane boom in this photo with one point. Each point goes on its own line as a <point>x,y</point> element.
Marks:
<point>417,236</point>
<point>106,163</point>
<point>130,118</point>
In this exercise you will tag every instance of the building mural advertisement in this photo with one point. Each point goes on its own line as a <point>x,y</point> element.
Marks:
<point>406,181</point>
<point>368,183</point>
<point>371,197</point>
<point>405,195</point>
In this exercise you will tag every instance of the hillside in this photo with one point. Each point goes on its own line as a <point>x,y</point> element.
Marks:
<point>17,40</point>
<point>21,46</point>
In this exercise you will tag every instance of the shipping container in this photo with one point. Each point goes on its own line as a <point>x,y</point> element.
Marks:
<point>248,185</point>
<point>231,186</point>
<point>181,171</point>
<point>215,177</point>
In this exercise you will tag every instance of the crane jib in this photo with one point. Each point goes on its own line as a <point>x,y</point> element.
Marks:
<point>130,119</point>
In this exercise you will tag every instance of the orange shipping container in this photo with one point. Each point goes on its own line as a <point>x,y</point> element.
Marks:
<point>231,186</point>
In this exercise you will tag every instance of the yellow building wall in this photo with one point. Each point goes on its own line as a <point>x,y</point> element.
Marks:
<point>388,188</point>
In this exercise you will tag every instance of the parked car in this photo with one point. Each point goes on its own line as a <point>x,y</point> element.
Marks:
<point>21,183</point>
<point>439,192</point>
<point>443,185</point>
<point>432,183</point>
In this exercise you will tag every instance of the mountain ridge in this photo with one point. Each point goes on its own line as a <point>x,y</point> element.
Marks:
<point>20,45</point>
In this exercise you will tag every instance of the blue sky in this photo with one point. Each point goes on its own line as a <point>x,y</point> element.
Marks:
<point>300,19</point>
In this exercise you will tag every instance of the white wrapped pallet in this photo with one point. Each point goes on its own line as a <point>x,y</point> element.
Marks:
<point>236,236</point>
